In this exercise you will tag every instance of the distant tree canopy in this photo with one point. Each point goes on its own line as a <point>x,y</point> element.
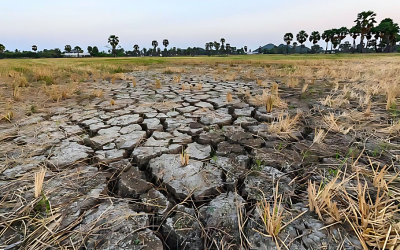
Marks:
<point>372,38</point>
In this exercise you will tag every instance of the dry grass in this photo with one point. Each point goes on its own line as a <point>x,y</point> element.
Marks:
<point>199,86</point>
<point>98,93</point>
<point>272,216</point>
<point>319,136</point>
<point>333,124</point>
<point>60,92</point>
<point>39,178</point>
<point>112,102</point>
<point>229,97</point>
<point>172,70</point>
<point>158,84</point>
<point>184,157</point>
<point>177,79</point>
<point>285,124</point>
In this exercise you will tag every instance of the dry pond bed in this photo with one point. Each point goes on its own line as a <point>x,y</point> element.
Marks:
<point>233,157</point>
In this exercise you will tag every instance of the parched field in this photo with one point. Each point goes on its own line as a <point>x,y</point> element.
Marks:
<point>238,152</point>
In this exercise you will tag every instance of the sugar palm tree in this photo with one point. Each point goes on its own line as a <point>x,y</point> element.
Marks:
<point>354,32</point>
<point>136,49</point>
<point>207,48</point>
<point>343,32</point>
<point>68,48</point>
<point>113,40</point>
<point>154,43</point>
<point>245,49</point>
<point>288,38</point>
<point>222,44</point>
<point>216,46</point>
<point>301,38</point>
<point>34,48</point>
<point>294,47</point>
<point>165,43</point>
<point>228,48</point>
<point>327,36</point>
<point>315,37</point>
<point>365,21</point>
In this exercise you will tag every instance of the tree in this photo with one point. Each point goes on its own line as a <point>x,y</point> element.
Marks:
<point>301,38</point>
<point>158,51</point>
<point>78,50</point>
<point>294,47</point>
<point>315,37</point>
<point>389,30</point>
<point>68,48</point>
<point>365,21</point>
<point>144,51</point>
<point>113,40</point>
<point>216,46</point>
<point>154,43</point>
<point>136,49</point>
<point>34,48</point>
<point>222,45</point>
<point>208,48</point>
<point>245,49</point>
<point>90,50</point>
<point>165,43</point>
<point>95,51</point>
<point>2,48</point>
<point>354,32</point>
<point>228,48</point>
<point>288,38</point>
<point>342,33</point>
<point>327,36</point>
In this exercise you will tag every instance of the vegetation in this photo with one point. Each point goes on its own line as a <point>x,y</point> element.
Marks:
<point>385,35</point>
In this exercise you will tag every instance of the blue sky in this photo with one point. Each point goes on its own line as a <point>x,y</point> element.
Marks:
<point>55,23</point>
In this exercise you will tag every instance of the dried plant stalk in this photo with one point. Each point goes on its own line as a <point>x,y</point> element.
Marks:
<point>39,178</point>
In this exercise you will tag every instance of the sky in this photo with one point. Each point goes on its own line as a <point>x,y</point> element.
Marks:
<point>185,23</point>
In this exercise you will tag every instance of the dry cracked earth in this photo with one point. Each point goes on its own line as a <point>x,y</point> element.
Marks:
<point>115,179</point>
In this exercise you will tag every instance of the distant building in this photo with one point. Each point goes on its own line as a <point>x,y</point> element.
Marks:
<point>75,53</point>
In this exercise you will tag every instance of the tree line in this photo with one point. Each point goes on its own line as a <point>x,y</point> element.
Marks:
<point>376,38</point>
<point>113,49</point>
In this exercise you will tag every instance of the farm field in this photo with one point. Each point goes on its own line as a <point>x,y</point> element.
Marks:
<point>234,152</point>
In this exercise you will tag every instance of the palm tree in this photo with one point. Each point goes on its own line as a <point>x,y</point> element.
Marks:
<point>154,43</point>
<point>301,38</point>
<point>365,20</point>
<point>90,49</point>
<point>136,48</point>
<point>354,33</point>
<point>294,47</point>
<point>389,31</point>
<point>222,44</point>
<point>2,48</point>
<point>228,48</point>
<point>165,43</point>
<point>34,48</point>
<point>288,38</point>
<point>216,46</point>
<point>113,41</point>
<point>207,48</point>
<point>78,49</point>
<point>342,33</point>
<point>245,49</point>
<point>68,48</point>
<point>327,36</point>
<point>144,51</point>
<point>315,37</point>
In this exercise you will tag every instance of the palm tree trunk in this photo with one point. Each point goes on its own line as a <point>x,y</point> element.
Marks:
<point>326,50</point>
<point>287,49</point>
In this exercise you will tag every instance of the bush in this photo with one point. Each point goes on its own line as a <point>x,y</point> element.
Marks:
<point>398,50</point>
